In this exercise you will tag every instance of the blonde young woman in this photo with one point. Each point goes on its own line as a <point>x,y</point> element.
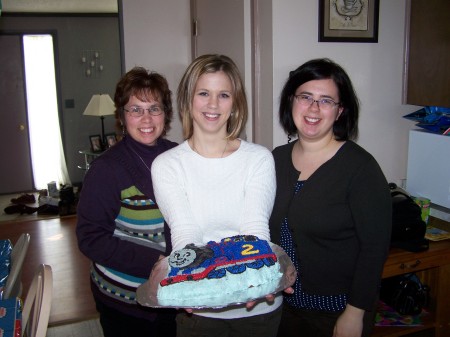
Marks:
<point>215,185</point>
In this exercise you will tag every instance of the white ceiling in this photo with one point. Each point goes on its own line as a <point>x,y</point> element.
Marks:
<point>60,6</point>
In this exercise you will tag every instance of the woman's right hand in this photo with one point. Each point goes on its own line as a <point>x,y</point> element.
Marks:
<point>289,290</point>
<point>269,298</point>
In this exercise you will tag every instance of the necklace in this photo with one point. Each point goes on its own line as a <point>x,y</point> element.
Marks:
<point>142,160</point>
<point>221,156</point>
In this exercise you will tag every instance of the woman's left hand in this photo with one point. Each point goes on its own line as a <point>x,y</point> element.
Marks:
<point>251,304</point>
<point>349,323</point>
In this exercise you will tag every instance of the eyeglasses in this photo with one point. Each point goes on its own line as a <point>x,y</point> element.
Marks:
<point>137,111</point>
<point>323,103</point>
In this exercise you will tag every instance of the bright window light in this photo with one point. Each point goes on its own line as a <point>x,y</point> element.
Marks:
<point>47,154</point>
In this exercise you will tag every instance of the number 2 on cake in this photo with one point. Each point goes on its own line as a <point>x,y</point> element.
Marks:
<point>248,250</point>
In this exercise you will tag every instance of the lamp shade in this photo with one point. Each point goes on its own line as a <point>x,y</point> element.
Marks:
<point>100,105</point>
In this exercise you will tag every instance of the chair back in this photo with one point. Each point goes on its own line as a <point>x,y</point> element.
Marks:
<point>37,304</point>
<point>13,286</point>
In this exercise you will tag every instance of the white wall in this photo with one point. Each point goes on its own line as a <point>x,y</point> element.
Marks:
<point>157,36</point>
<point>376,70</point>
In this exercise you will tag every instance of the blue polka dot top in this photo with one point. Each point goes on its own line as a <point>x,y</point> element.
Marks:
<point>301,299</point>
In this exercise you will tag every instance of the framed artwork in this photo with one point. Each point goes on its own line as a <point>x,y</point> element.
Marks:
<point>96,143</point>
<point>111,139</point>
<point>348,20</point>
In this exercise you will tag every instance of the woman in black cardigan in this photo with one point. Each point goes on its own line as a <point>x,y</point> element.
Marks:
<point>332,211</point>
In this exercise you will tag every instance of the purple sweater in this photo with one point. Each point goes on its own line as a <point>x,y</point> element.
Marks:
<point>120,228</point>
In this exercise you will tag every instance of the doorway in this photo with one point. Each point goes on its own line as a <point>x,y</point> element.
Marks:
<point>219,28</point>
<point>47,155</point>
<point>243,31</point>
<point>29,132</point>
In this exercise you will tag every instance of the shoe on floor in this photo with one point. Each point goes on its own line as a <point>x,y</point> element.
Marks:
<point>24,199</point>
<point>47,209</point>
<point>20,209</point>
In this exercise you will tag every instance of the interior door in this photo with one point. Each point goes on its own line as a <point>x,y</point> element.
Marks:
<point>16,173</point>
<point>219,28</point>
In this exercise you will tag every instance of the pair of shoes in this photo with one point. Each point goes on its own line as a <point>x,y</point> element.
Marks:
<point>47,209</point>
<point>24,199</point>
<point>20,209</point>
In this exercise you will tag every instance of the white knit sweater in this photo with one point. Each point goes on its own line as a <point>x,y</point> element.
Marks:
<point>204,199</point>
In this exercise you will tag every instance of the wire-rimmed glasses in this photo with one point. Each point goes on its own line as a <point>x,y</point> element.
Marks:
<point>323,103</point>
<point>137,111</point>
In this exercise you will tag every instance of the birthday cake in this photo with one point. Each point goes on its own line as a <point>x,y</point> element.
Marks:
<point>235,270</point>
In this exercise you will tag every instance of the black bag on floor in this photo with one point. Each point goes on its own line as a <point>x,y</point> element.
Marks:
<point>405,294</point>
<point>408,228</point>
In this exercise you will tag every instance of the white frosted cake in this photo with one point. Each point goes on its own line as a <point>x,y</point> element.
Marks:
<point>235,270</point>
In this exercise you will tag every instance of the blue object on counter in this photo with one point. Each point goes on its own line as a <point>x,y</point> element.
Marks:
<point>432,118</point>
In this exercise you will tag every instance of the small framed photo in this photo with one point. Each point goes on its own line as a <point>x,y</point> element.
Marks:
<point>348,20</point>
<point>96,143</point>
<point>111,139</point>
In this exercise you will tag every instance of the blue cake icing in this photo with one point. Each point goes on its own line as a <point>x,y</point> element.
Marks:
<point>234,270</point>
<point>234,255</point>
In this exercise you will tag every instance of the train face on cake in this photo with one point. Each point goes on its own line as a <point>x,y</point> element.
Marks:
<point>213,261</point>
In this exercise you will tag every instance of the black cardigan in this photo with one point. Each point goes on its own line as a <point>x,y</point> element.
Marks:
<point>340,222</point>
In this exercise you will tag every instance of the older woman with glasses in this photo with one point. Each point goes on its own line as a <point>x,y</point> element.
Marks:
<point>120,228</point>
<point>332,211</point>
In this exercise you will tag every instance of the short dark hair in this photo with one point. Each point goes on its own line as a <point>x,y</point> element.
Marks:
<point>346,127</point>
<point>145,85</point>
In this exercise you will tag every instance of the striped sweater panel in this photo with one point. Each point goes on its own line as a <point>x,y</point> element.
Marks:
<point>140,222</point>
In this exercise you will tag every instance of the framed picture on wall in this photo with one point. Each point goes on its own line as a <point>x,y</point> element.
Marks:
<point>348,20</point>
<point>111,139</point>
<point>96,143</point>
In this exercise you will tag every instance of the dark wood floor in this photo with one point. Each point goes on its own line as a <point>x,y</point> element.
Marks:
<point>53,242</point>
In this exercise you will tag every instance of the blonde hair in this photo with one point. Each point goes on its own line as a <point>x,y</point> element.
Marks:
<point>212,63</point>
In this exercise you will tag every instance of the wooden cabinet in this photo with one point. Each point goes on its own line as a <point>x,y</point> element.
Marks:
<point>428,53</point>
<point>433,268</point>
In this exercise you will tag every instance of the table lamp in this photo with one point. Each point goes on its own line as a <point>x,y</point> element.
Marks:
<point>100,105</point>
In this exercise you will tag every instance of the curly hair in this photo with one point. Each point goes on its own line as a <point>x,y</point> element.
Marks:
<point>146,86</point>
